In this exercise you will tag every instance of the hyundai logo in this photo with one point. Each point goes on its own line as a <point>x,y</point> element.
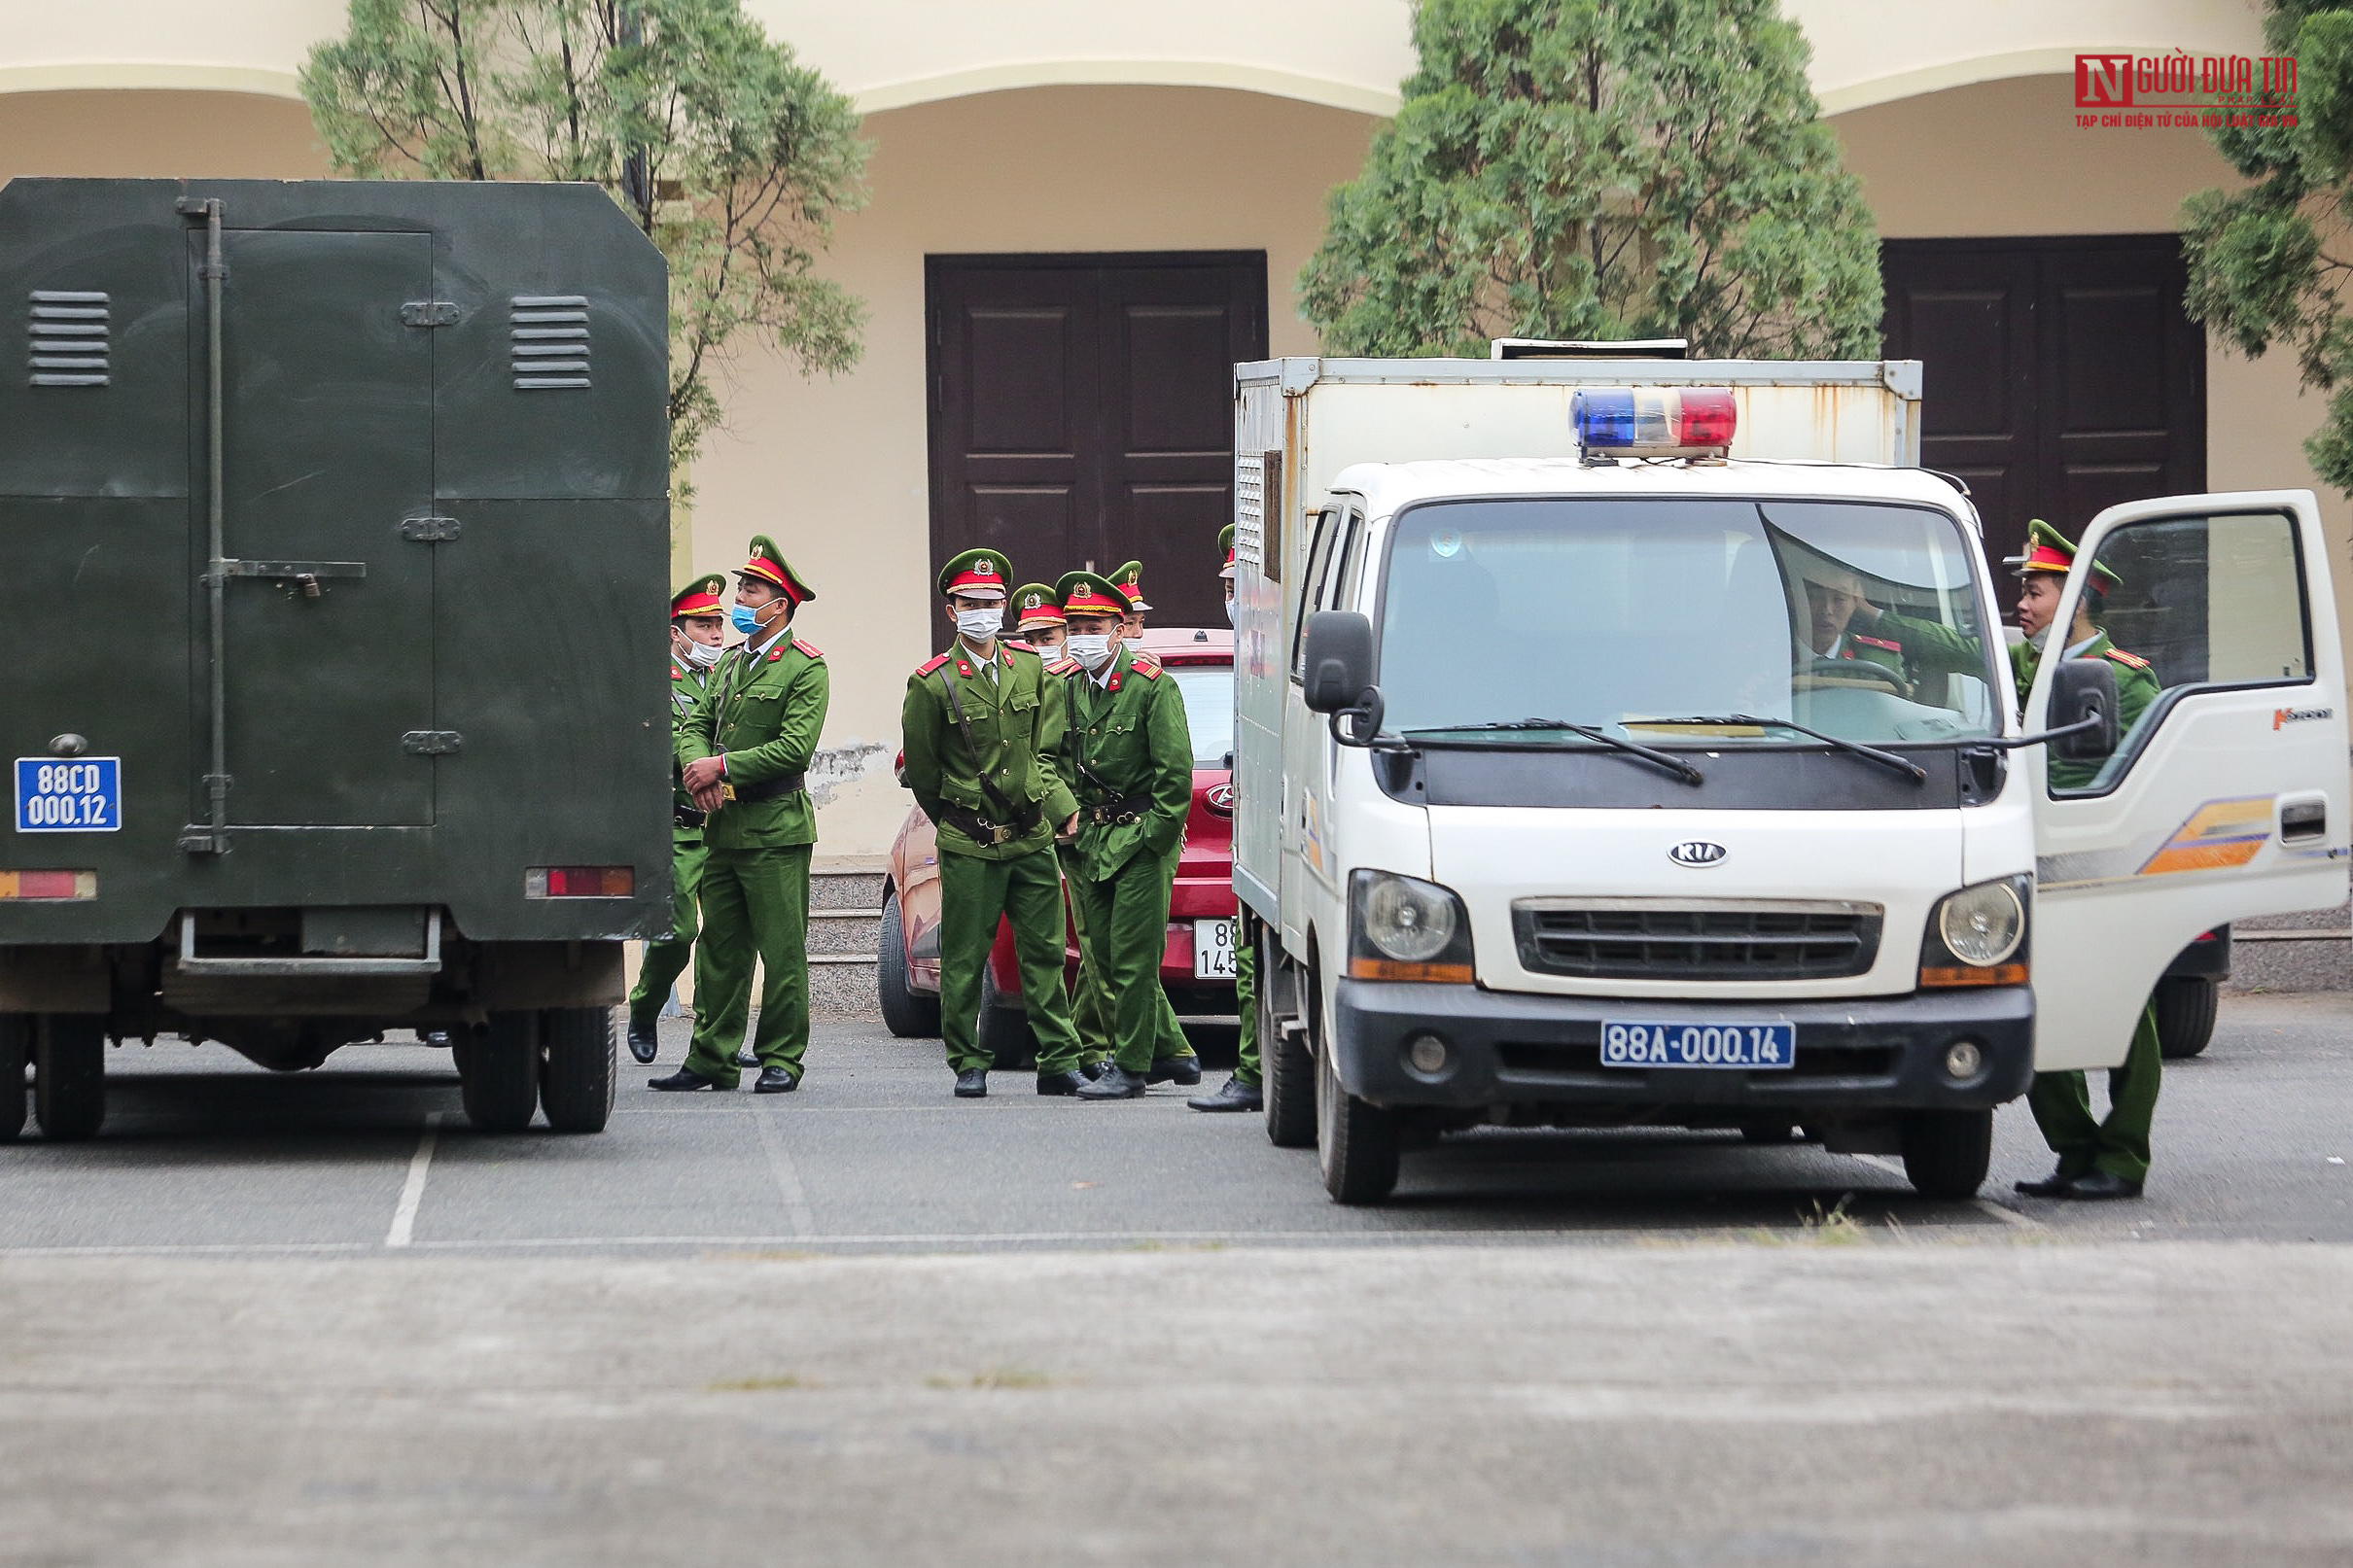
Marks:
<point>1698,852</point>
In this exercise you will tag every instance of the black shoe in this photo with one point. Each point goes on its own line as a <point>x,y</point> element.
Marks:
<point>1092,1070</point>
<point>1062,1083</point>
<point>682,1081</point>
<point>1232,1096</point>
<point>1116,1083</point>
<point>972,1084</point>
<point>2054,1185</point>
<point>776,1081</point>
<point>746,1059</point>
<point>2095,1186</point>
<point>643,1044</point>
<point>1184,1070</point>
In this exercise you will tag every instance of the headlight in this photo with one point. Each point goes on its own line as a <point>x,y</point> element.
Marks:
<point>1983,924</point>
<point>1408,920</point>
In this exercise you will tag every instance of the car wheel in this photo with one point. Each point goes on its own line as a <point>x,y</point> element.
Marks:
<point>1286,1066</point>
<point>69,1075</point>
<point>577,1068</point>
<point>1946,1153</point>
<point>2186,1005</point>
<point>1356,1145</point>
<point>1004,1031</point>
<point>15,1049</point>
<point>498,1073</point>
<point>904,1013</point>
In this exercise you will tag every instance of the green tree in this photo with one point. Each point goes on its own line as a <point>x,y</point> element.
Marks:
<point>2269,263</point>
<point>730,155</point>
<point>1601,168</point>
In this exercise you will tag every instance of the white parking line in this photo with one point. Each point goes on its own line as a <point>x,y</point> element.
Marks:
<point>412,1191</point>
<point>1985,1206</point>
<point>788,1177</point>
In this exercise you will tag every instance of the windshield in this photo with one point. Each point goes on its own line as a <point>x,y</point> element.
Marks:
<point>1637,618</point>
<point>1209,710</point>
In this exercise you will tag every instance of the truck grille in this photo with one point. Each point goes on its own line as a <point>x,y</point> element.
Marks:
<point>1702,939</point>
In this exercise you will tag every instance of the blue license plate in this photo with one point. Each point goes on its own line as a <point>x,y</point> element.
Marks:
<point>1648,1044</point>
<point>84,795</point>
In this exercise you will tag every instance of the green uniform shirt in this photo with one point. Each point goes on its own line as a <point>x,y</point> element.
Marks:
<point>763,713</point>
<point>1019,721</point>
<point>1917,647</point>
<point>687,690</point>
<point>2136,687</point>
<point>1129,740</point>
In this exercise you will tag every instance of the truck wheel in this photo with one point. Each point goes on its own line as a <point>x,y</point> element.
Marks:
<point>16,1048</point>
<point>904,1013</point>
<point>577,1068</point>
<point>1288,1069</point>
<point>1946,1153</point>
<point>1004,1031</point>
<point>498,1073</point>
<point>2186,1005</point>
<point>69,1075</point>
<point>1356,1145</point>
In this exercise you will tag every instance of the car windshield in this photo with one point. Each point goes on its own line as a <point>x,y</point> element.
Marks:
<point>1208,708</point>
<point>1683,621</point>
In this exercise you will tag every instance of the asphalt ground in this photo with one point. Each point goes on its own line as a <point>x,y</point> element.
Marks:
<point>203,1152</point>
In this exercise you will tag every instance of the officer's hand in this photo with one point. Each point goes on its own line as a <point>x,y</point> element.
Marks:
<point>1069,830</point>
<point>710,798</point>
<point>703,775</point>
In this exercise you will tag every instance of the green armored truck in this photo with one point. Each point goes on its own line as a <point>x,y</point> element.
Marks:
<point>327,509</point>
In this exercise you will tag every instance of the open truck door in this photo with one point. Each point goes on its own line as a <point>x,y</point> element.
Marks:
<point>2225,798</point>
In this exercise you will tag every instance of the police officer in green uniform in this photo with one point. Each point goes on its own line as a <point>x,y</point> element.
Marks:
<point>983,727</point>
<point>1834,605</point>
<point>1038,619</point>
<point>746,756</point>
<point>1245,1090</point>
<point>1129,758</point>
<point>1129,580</point>
<point>698,622</point>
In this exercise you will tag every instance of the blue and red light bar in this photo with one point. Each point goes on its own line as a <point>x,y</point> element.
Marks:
<point>1654,421</point>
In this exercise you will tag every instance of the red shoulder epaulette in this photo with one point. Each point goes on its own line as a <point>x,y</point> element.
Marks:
<point>1144,668</point>
<point>1875,642</point>
<point>1062,666</point>
<point>927,669</point>
<point>2130,661</point>
<point>808,648</point>
<point>1017,642</point>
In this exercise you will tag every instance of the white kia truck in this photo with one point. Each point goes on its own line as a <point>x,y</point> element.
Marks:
<point>1635,742</point>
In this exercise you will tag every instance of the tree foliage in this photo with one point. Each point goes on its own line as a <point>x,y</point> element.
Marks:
<point>731,157</point>
<point>2269,263</point>
<point>1601,168</point>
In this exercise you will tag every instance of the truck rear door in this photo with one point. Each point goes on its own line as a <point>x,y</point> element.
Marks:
<point>2228,798</point>
<point>327,452</point>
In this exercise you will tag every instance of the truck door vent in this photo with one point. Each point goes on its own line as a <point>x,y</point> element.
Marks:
<point>68,331</point>
<point>1708,939</point>
<point>547,337</point>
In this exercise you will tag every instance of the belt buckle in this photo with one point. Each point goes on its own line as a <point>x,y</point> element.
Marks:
<point>727,791</point>
<point>1000,834</point>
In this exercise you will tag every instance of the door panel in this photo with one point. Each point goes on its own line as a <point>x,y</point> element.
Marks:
<point>2228,798</point>
<point>328,445</point>
<point>1082,413</point>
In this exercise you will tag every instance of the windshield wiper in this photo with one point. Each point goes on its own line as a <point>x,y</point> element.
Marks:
<point>1902,764</point>
<point>1664,759</point>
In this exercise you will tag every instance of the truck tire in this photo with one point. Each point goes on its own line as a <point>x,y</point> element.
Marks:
<point>1356,1145</point>
<point>15,1049</point>
<point>1946,1153</point>
<point>2186,1005</point>
<point>498,1073</point>
<point>69,1075</point>
<point>1288,1069</point>
<point>904,1013</point>
<point>1004,1031</point>
<point>577,1067</point>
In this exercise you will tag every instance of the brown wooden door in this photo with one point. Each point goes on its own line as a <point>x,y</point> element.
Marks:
<point>2061,376</point>
<point>1081,411</point>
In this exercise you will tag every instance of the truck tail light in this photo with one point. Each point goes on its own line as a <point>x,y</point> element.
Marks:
<point>73,886</point>
<point>579,882</point>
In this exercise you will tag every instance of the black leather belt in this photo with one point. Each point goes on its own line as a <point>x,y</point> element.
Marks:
<point>792,784</point>
<point>688,817</point>
<point>980,831</point>
<point>1126,808</point>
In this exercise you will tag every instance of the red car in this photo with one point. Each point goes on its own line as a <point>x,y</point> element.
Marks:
<point>1198,966</point>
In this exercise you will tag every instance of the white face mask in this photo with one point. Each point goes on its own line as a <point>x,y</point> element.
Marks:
<point>701,655</point>
<point>979,625</point>
<point>1093,652</point>
<point>1229,613</point>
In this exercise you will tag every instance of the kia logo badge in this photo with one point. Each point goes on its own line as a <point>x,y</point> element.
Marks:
<point>1698,852</point>
<point>1222,796</point>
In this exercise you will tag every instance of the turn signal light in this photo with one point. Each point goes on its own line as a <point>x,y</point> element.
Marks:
<point>1949,976</point>
<point>49,885</point>
<point>579,882</point>
<point>1446,974</point>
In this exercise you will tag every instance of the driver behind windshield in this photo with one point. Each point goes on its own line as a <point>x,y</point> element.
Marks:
<point>1834,600</point>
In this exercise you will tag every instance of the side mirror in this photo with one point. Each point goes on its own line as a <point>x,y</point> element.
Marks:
<point>1339,660</point>
<point>2084,688</point>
